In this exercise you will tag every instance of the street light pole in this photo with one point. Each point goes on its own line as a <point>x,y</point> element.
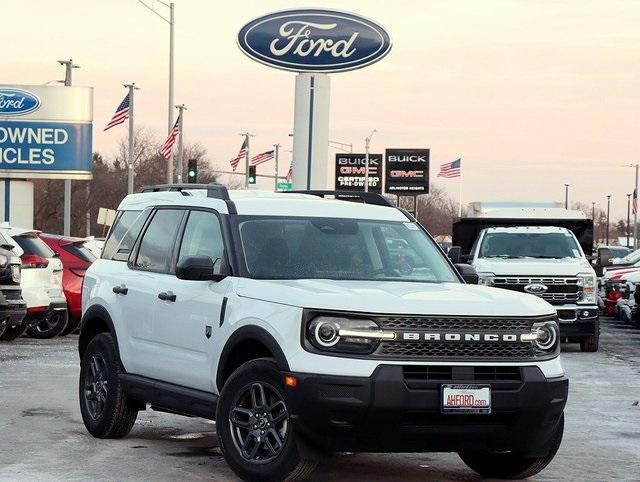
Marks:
<point>635,211</point>
<point>367,144</point>
<point>566,196</point>
<point>276,148</point>
<point>247,136</point>
<point>132,88</point>
<point>608,210</point>
<point>171,22</point>
<point>181,108</point>
<point>628,217</point>
<point>593,218</point>
<point>68,74</point>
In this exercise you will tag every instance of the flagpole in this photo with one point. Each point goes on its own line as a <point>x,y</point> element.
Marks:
<point>460,192</point>
<point>181,108</point>
<point>130,172</point>
<point>635,213</point>
<point>277,149</point>
<point>246,159</point>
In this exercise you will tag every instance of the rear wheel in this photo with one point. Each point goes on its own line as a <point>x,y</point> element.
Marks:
<point>52,325</point>
<point>106,411</point>
<point>256,436</point>
<point>512,465</point>
<point>11,334</point>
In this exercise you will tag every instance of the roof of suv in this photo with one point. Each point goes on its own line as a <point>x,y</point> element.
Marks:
<point>527,229</point>
<point>265,203</point>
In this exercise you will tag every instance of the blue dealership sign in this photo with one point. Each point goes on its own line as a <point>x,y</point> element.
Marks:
<point>17,102</point>
<point>314,40</point>
<point>45,146</point>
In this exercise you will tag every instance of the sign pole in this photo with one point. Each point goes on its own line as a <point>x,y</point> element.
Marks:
<point>277,150</point>
<point>130,173</point>
<point>181,108</point>
<point>69,66</point>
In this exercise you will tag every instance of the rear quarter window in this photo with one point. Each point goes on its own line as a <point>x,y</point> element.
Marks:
<point>34,245</point>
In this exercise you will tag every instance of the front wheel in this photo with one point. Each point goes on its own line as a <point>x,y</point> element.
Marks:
<point>11,334</point>
<point>255,432</point>
<point>50,326</point>
<point>590,344</point>
<point>512,465</point>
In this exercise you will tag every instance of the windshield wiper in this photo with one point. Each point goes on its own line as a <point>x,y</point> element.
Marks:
<point>502,256</point>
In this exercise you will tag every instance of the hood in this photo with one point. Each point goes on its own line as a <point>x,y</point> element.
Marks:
<point>395,297</point>
<point>533,266</point>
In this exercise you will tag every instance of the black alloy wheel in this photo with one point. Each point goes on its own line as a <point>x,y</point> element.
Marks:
<point>259,423</point>
<point>96,387</point>
<point>52,325</point>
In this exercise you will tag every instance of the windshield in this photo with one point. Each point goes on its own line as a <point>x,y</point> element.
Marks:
<point>529,245</point>
<point>341,249</point>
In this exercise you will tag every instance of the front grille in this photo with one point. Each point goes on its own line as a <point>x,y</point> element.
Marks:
<point>417,374</point>
<point>455,324</point>
<point>444,350</point>
<point>559,290</point>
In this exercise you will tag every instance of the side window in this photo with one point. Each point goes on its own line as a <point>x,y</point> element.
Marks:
<point>157,241</point>
<point>123,235</point>
<point>203,237</point>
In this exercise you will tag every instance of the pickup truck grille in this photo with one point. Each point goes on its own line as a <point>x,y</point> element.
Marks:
<point>559,290</point>
<point>443,350</point>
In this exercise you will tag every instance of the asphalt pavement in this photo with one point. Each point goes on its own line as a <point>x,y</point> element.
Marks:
<point>42,436</point>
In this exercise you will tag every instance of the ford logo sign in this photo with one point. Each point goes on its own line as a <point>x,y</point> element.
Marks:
<point>535,289</point>
<point>17,102</point>
<point>312,40</point>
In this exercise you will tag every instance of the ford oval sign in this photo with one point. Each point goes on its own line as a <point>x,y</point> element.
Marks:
<point>17,102</point>
<point>536,288</point>
<point>313,40</point>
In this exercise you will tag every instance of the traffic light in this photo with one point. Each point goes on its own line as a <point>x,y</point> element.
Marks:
<point>192,171</point>
<point>252,174</point>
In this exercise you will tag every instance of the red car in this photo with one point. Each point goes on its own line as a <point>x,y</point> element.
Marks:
<point>76,259</point>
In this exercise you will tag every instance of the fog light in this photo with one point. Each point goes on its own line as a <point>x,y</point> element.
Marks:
<point>585,314</point>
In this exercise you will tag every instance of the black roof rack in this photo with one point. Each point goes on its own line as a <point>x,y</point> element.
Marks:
<point>213,189</point>
<point>365,197</point>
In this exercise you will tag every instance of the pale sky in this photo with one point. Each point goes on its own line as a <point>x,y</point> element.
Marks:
<point>531,93</point>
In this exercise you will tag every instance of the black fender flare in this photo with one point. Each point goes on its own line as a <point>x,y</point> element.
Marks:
<point>96,312</point>
<point>250,332</point>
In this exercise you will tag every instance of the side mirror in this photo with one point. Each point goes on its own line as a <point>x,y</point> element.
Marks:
<point>468,273</point>
<point>199,268</point>
<point>454,254</point>
<point>605,259</point>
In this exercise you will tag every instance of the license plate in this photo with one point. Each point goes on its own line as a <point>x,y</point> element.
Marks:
<point>15,273</point>
<point>466,399</point>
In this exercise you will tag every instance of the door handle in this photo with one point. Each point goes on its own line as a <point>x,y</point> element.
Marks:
<point>167,296</point>
<point>120,290</point>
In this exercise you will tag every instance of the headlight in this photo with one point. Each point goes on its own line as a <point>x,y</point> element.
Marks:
<point>545,336</point>
<point>486,279</point>
<point>345,335</point>
<point>588,284</point>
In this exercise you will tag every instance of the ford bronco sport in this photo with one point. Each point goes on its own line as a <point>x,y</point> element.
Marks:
<point>290,320</point>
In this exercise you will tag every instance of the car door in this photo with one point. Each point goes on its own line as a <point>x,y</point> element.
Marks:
<point>148,275</point>
<point>187,326</point>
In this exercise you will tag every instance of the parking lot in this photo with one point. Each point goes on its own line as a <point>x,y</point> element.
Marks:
<point>42,435</point>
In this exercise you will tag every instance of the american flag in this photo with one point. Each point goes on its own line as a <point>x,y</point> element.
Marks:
<point>635,201</point>
<point>260,158</point>
<point>450,169</point>
<point>171,140</point>
<point>241,155</point>
<point>122,113</point>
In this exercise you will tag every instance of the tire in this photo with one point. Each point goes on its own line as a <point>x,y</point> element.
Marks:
<point>72,325</point>
<point>274,456</point>
<point>11,334</point>
<point>512,465</point>
<point>3,328</point>
<point>50,327</point>
<point>106,411</point>
<point>590,344</point>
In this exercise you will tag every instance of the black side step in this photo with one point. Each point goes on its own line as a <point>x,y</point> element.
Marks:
<point>170,397</point>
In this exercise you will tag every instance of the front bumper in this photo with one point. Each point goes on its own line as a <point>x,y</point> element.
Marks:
<point>12,313</point>
<point>387,413</point>
<point>578,321</point>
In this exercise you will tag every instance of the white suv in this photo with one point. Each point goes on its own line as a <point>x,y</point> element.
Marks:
<point>306,326</point>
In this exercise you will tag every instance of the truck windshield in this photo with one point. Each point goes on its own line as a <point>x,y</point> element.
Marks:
<point>275,247</point>
<point>529,245</point>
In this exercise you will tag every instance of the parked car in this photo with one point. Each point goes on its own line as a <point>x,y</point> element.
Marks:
<point>94,245</point>
<point>284,317</point>
<point>604,256</point>
<point>76,257</point>
<point>12,307</point>
<point>611,289</point>
<point>41,283</point>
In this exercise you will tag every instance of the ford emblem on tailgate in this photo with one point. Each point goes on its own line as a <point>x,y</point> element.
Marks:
<point>17,101</point>
<point>535,289</point>
<point>313,40</point>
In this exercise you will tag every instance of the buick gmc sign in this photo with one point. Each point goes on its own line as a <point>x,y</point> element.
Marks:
<point>407,171</point>
<point>46,132</point>
<point>314,40</point>
<point>17,102</point>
